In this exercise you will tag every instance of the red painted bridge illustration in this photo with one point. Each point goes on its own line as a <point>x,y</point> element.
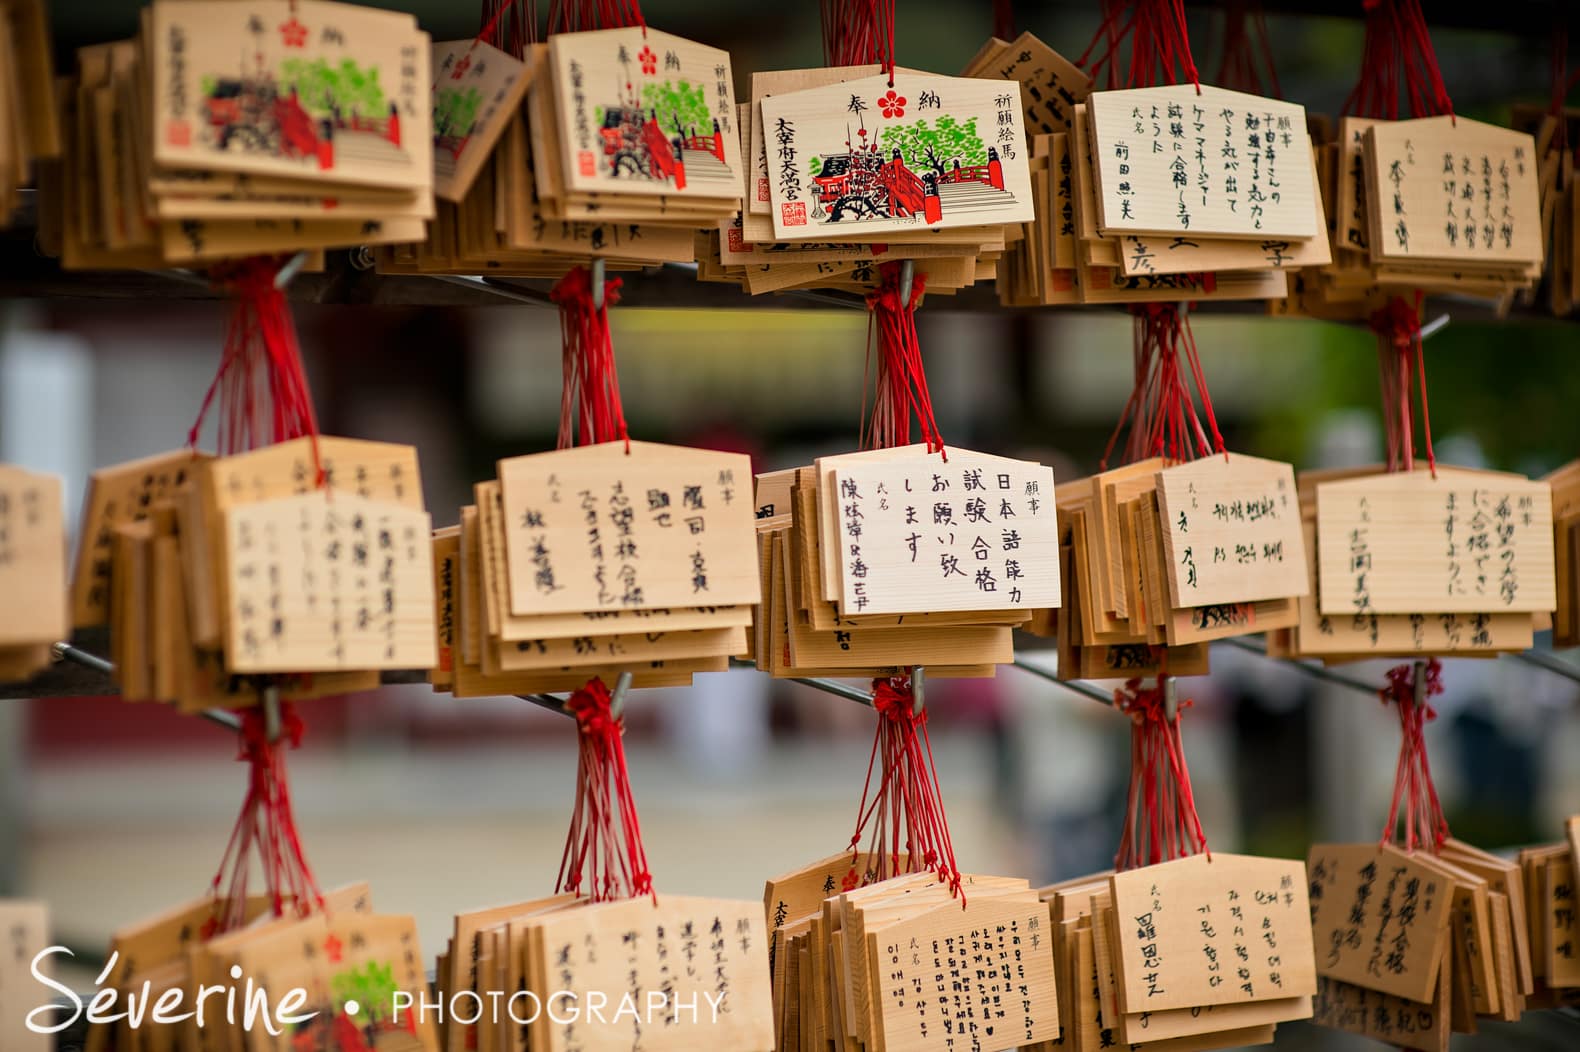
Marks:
<point>862,185</point>
<point>635,144</point>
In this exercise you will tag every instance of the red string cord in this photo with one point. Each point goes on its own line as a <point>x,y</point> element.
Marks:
<point>1397,58</point>
<point>603,858</point>
<point>1159,44</point>
<point>1161,413</point>
<point>1422,815</point>
<point>590,407</point>
<point>1401,362</point>
<point>1161,823</point>
<point>260,366</point>
<point>1247,54</point>
<point>902,818</point>
<point>266,826</point>
<point>901,389</point>
<point>581,16</point>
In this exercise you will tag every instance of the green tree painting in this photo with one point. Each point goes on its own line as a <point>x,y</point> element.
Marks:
<point>937,147</point>
<point>816,165</point>
<point>372,987</point>
<point>455,111</point>
<point>681,107</point>
<point>321,87</point>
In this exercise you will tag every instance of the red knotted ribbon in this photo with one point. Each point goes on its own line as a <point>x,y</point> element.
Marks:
<point>1161,413</point>
<point>1161,824</point>
<point>1401,362</point>
<point>262,387</point>
<point>1424,823</point>
<point>901,388</point>
<point>1247,54</point>
<point>267,824</point>
<point>590,409</point>
<point>1159,45</point>
<point>1397,55</point>
<point>603,849</point>
<point>509,25</point>
<point>903,818</point>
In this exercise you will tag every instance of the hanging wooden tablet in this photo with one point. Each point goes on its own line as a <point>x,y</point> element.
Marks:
<point>669,526</point>
<point>32,570</point>
<point>896,153</point>
<point>26,928</point>
<point>477,89</point>
<point>1176,159</point>
<point>626,97</point>
<point>1452,189</point>
<point>1494,549</point>
<point>212,63</point>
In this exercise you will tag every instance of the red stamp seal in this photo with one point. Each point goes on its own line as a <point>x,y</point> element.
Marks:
<point>793,213</point>
<point>586,163</point>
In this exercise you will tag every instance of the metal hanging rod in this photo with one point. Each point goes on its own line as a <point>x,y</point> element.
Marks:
<point>229,720</point>
<point>556,705</point>
<point>1321,672</point>
<point>1086,690</point>
<point>1548,661</point>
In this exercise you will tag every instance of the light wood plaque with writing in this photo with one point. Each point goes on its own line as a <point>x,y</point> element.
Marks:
<point>597,528</point>
<point>1171,161</point>
<point>1460,543</point>
<point>32,559</point>
<point>323,582</point>
<point>1229,929</point>
<point>1231,529</point>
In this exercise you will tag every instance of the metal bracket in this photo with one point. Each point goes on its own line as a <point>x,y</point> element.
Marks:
<point>1420,683</point>
<point>271,712</point>
<point>907,279</point>
<point>918,689</point>
<point>78,656</point>
<point>1435,326</point>
<point>599,269</point>
<point>288,272</point>
<point>1171,700</point>
<point>617,696</point>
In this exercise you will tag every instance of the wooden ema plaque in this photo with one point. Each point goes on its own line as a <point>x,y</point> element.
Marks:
<point>1454,190</point>
<point>851,161</point>
<point>917,534</point>
<point>1231,529</point>
<point>1217,163</point>
<point>32,559</point>
<point>1224,930</point>
<point>350,88</point>
<point>477,90</point>
<point>1409,543</point>
<point>645,112</point>
<point>653,962</point>
<point>597,528</point>
<point>1379,918</point>
<point>324,582</point>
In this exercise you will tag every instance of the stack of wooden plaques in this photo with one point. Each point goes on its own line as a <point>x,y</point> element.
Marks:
<point>1164,559</point>
<point>1164,194</point>
<point>231,129</point>
<point>896,557</point>
<point>29,124</point>
<point>682,973</point>
<point>512,208</point>
<point>213,571</point>
<point>1413,947</point>
<point>32,571</point>
<point>1555,175</point>
<point>1441,204</point>
<point>1565,483</point>
<point>851,167</point>
<point>360,971</point>
<point>902,965</point>
<point>1548,874</point>
<point>596,561</point>
<point>1194,954</point>
<point>1407,565</point>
